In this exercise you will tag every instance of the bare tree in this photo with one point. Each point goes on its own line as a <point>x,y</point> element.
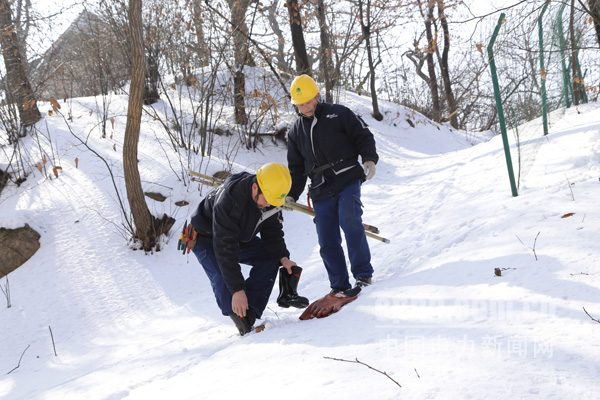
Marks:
<point>275,27</point>
<point>147,228</point>
<point>594,12</point>
<point>345,44</point>
<point>241,56</point>
<point>116,12</point>
<point>202,48</point>
<point>302,63</point>
<point>431,45</point>
<point>577,84</point>
<point>421,56</point>
<point>365,23</point>
<point>325,61</point>
<point>19,87</point>
<point>452,108</point>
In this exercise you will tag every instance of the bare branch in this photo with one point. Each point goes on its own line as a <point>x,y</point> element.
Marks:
<point>20,358</point>
<point>6,291</point>
<point>588,314</point>
<point>534,242</point>
<point>570,187</point>
<point>533,248</point>
<point>53,345</point>
<point>366,365</point>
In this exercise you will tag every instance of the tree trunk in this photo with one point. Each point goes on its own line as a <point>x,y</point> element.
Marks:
<point>280,56</point>
<point>577,86</point>
<point>301,56</point>
<point>19,87</point>
<point>142,218</point>
<point>365,23</point>
<point>239,88</point>
<point>152,78</point>
<point>595,13</point>
<point>241,57</point>
<point>431,44</point>
<point>325,58</point>
<point>445,69</point>
<point>202,49</point>
<point>23,21</point>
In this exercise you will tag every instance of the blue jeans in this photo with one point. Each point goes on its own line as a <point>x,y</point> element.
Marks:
<point>259,284</point>
<point>344,210</point>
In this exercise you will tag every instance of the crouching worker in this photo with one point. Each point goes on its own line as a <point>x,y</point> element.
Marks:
<point>227,222</point>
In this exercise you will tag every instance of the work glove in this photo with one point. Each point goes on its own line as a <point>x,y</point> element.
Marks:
<point>369,169</point>
<point>289,202</point>
<point>327,305</point>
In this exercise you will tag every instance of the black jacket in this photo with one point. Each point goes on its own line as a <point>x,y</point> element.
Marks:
<point>227,218</point>
<point>333,135</point>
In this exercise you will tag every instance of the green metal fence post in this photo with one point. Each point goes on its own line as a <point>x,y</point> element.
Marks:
<point>511,175</point>
<point>561,39</point>
<point>542,69</point>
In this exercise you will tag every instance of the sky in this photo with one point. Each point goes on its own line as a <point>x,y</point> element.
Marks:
<point>93,319</point>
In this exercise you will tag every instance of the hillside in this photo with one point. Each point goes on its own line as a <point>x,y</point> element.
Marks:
<point>130,325</point>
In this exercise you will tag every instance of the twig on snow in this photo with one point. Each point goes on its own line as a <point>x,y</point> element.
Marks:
<point>19,364</point>
<point>588,314</point>
<point>533,248</point>
<point>570,188</point>
<point>274,312</point>
<point>52,336</point>
<point>366,365</point>
<point>6,291</point>
<point>534,242</point>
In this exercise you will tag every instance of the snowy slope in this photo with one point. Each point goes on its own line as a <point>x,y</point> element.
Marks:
<point>129,325</point>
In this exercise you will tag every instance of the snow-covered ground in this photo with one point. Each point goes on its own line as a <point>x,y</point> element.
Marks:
<point>437,320</point>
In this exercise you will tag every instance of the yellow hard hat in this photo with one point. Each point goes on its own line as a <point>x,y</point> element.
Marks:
<point>303,89</point>
<point>275,182</point>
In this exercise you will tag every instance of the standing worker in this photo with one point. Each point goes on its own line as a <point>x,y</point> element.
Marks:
<point>324,144</point>
<point>227,222</point>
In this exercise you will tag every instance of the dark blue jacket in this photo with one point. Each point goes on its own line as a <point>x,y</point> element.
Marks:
<point>333,135</point>
<point>228,217</point>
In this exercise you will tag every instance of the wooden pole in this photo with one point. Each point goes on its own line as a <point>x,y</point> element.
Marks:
<point>370,231</point>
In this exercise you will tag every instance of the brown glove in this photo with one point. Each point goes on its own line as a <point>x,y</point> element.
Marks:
<point>326,305</point>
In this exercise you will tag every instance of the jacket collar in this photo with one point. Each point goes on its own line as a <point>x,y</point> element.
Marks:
<point>317,113</point>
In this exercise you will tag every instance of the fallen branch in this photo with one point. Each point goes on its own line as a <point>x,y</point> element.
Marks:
<point>52,336</point>
<point>534,242</point>
<point>570,187</point>
<point>6,291</point>
<point>366,365</point>
<point>533,248</point>
<point>18,365</point>
<point>588,314</point>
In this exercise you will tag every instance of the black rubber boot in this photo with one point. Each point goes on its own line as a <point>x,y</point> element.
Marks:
<point>245,324</point>
<point>288,286</point>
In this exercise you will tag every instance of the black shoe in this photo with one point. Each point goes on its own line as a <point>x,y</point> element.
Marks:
<point>245,324</point>
<point>288,285</point>
<point>348,292</point>
<point>363,281</point>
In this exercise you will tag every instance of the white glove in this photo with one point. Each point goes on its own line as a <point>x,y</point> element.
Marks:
<point>288,200</point>
<point>369,169</point>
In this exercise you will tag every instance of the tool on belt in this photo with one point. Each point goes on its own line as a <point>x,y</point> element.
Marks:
<point>187,238</point>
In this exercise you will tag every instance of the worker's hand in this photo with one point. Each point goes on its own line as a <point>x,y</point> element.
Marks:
<point>239,303</point>
<point>289,200</point>
<point>369,169</point>
<point>288,264</point>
